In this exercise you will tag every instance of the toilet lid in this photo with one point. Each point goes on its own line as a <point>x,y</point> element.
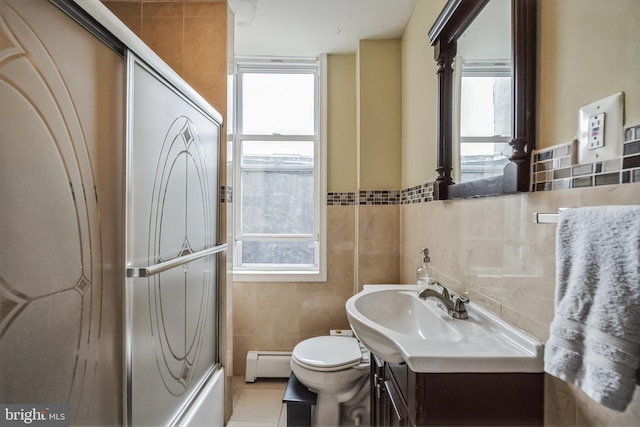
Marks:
<point>328,352</point>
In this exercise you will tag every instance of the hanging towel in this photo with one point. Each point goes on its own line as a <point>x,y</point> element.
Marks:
<point>594,340</point>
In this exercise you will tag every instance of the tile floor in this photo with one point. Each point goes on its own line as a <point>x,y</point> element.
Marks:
<point>258,404</point>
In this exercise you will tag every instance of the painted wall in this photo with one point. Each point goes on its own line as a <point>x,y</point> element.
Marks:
<point>379,114</point>
<point>419,94</point>
<point>579,65</point>
<point>489,248</point>
<point>341,123</point>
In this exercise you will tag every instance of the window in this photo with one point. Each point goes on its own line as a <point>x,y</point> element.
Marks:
<point>485,120</point>
<point>279,179</point>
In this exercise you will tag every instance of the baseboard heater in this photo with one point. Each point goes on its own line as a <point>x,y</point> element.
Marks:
<point>267,364</point>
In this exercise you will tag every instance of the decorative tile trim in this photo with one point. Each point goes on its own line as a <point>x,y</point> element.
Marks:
<point>341,198</point>
<point>418,194</point>
<point>551,167</point>
<point>379,197</point>
<point>556,167</point>
<point>226,194</point>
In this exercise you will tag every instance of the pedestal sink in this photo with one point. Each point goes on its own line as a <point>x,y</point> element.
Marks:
<point>393,323</point>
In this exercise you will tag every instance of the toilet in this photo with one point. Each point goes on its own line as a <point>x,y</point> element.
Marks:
<point>336,368</point>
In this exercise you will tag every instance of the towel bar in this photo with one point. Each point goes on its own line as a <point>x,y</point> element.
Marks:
<point>547,218</point>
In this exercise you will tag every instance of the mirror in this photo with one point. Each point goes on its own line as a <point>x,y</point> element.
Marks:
<point>470,63</point>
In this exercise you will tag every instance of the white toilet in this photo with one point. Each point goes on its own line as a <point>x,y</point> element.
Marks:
<point>336,368</point>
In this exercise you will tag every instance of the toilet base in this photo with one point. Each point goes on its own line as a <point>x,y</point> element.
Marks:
<point>344,410</point>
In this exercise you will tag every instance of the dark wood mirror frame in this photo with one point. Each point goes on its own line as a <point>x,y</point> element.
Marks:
<point>454,19</point>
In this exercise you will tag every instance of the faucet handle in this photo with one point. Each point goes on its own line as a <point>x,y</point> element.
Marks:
<point>445,291</point>
<point>459,302</point>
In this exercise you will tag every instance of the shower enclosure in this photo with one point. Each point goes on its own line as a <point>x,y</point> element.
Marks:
<point>109,241</point>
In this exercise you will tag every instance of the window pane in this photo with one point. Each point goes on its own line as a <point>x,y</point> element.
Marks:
<point>278,104</point>
<point>278,252</point>
<point>485,106</point>
<point>483,160</point>
<point>278,202</point>
<point>286,153</point>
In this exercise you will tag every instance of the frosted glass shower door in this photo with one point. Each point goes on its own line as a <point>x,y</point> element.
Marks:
<point>172,241</point>
<point>61,222</point>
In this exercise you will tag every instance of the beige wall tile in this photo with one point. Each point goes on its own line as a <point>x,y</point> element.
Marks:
<point>244,312</point>
<point>559,402</point>
<point>378,268</point>
<point>590,413</point>
<point>378,229</point>
<point>125,9</point>
<point>378,244</point>
<point>129,13</point>
<point>205,44</point>
<point>341,227</point>
<point>491,250</point>
<point>287,313</point>
<point>206,8</point>
<point>241,345</point>
<point>212,87</point>
<point>340,268</point>
<point>162,9</point>
<point>155,33</point>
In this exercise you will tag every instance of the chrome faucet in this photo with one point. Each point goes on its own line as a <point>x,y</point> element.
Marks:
<point>452,305</point>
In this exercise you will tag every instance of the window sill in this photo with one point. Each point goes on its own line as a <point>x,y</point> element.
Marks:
<point>279,276</point>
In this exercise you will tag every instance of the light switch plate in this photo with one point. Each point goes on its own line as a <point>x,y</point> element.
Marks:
<point>597,141</point>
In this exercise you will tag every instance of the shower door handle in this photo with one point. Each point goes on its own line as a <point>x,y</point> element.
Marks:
<point>175,262</point>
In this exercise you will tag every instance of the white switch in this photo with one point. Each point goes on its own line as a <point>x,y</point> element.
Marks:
<point>596,131</point>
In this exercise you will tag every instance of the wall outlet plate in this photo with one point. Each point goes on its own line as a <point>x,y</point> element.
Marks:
<point>598,142</point>
<point>596,131</point>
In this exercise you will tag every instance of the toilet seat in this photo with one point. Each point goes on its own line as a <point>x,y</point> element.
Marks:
<point>327,353</point>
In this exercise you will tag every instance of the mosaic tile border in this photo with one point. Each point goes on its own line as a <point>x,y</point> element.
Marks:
<point>341,198</point>
<point>346,198</point>
<point>226,194</point>
<point>379,197</point>
<point>556,168</point>
<point>418,194</point>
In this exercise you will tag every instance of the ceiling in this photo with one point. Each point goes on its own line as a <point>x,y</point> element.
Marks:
<point>307,28</point>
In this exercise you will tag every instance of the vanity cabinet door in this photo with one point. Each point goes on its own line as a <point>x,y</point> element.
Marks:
<point>398,414</point>
<point>379,401</point>
<point>388,405</point>
<point>401,397</point>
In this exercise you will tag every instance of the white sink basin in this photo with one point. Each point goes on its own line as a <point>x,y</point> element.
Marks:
<point>396,325</point>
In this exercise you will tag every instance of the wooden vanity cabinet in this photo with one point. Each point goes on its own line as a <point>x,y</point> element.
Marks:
<point>401,397</point>
<point>388,405</point>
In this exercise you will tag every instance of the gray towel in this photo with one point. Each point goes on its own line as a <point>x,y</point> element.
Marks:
<point>594,338</point>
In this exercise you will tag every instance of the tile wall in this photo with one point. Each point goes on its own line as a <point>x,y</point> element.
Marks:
<point>276,316</point>
<point>363,247</point>
<point>557,167</point>
<point>490,249</point>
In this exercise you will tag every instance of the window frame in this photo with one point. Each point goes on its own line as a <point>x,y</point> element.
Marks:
<point>282,272</point>
<point>486,68</point>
